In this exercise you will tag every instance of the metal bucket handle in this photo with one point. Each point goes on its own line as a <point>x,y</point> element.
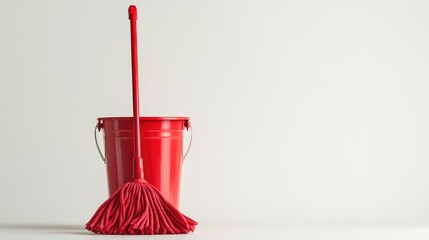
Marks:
<point>188,127</point>
<point>96,143</point>
<point>99,126</point>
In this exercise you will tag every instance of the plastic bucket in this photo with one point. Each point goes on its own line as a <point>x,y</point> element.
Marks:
<point>162,152</point>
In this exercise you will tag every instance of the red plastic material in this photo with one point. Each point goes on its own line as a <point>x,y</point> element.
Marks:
<point>138,161</point>
<point>132,12</point>
<point>162,148</point>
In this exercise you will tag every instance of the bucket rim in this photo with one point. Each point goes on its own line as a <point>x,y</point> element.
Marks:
<point>148,118</point>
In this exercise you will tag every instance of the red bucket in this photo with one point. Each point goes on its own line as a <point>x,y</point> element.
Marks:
<point>162,152</point>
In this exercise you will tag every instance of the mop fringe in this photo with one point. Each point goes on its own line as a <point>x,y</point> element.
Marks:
<point>138,208</point>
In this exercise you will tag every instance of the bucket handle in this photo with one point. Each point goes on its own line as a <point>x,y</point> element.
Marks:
<point>100,125</point>
<point>188,127</point>
<point>96,142</point>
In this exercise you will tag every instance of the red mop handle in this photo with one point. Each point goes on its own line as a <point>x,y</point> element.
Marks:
<point>138,160</point>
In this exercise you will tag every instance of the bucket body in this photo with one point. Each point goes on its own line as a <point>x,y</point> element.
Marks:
<point>162,151</point>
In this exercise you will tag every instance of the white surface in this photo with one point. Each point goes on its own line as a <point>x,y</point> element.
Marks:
<point>303,111</point>
<point>219,232</point>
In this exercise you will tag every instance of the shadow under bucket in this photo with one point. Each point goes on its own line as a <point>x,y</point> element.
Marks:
<point>162,152</point>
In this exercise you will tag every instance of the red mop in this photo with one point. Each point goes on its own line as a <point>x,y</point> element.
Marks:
<point>138,207</point>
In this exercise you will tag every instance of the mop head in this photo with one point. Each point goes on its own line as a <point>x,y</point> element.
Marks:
<point>139,208</point>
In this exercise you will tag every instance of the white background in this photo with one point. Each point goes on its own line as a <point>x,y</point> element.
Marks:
<point>304,112</point>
